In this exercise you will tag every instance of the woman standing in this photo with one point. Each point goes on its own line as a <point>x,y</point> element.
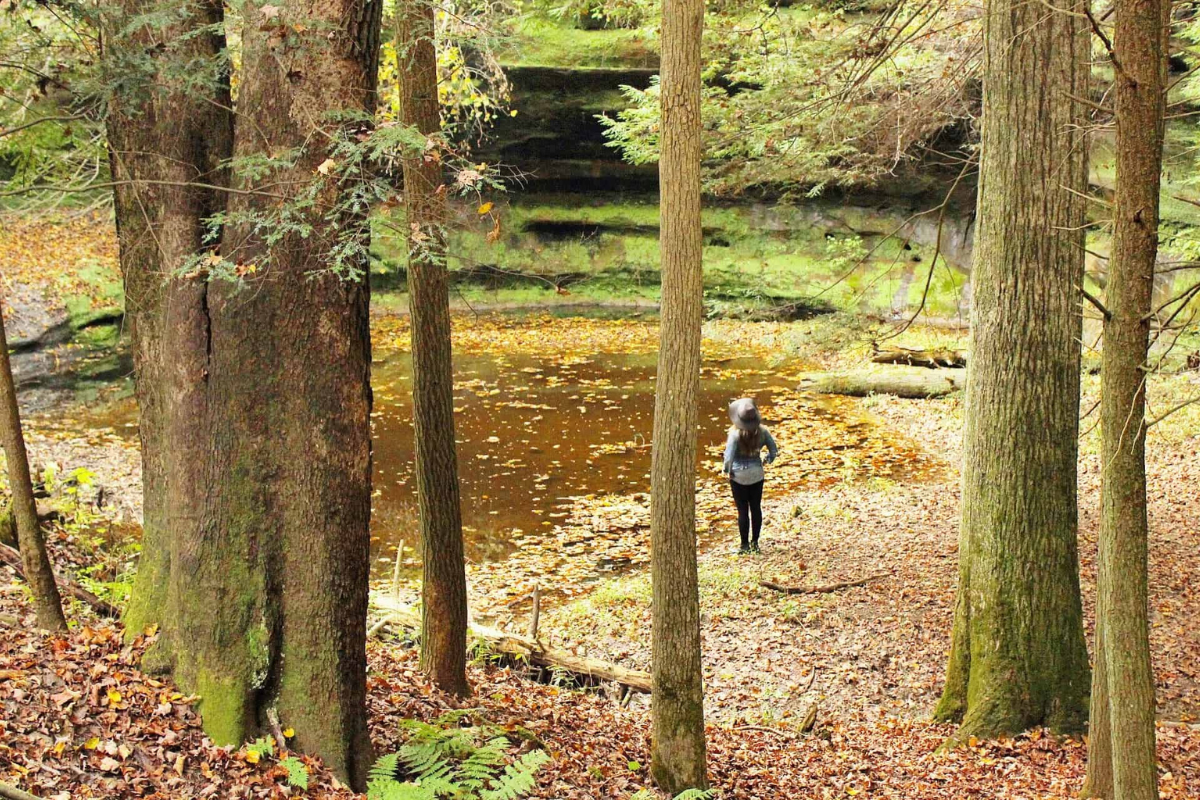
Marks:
<point>743,464</point>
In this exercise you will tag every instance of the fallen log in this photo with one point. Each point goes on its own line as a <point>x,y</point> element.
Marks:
<point>13,793</point>
<point>829,587</point>
<point>909,382</point>
<point>919,357</point>
<point>12,557</point>
<point>526,649</point>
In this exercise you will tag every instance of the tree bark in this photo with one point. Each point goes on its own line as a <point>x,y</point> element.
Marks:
<point>259,579</point>
<point>444,585</point>
<point>35,561</point>
<point>1018,656</point>
<point>1128,740</point>
<point>165,137</point>
<point>678,754</point>
<point>1099,780</point>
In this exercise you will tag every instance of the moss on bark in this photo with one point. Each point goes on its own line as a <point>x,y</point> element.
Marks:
<point>1018,655</point>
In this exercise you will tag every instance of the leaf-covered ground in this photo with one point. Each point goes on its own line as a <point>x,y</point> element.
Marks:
<point>880,648</point>
<point>79,720</point>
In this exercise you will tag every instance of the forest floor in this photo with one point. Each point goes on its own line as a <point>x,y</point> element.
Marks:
<point>78,719</point>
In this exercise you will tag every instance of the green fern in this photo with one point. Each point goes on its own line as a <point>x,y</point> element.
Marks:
<point>297,773</point>
<point>686,794</point>
<point>517,780</point>
<point>444,760</point>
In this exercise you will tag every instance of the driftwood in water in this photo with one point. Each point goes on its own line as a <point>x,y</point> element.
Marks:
<point>910,382</point>
<point>825,589</point>
<point>12,557</point>
<point>917,357</point>
<point>526,649</point>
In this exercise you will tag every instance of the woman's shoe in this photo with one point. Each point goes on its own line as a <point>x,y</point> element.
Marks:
<point>744,550</point>
<point>754,548</point>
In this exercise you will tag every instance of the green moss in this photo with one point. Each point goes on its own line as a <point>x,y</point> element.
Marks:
<point>545,42</point>
<point>223,707</point>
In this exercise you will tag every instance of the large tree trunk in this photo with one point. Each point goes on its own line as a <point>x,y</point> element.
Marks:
<point>266,545</point>
<point>678,755</point>
<point>35,562</point>
<point>1125,681</point>
<point>1018,655</point>
<point>444,588</point>
<point>165,139</point>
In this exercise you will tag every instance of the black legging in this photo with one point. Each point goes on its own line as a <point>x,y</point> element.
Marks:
<point>749,506</point>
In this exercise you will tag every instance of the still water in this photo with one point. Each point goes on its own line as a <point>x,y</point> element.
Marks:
<point>534,432</point>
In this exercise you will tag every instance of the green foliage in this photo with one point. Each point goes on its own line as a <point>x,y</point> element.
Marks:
<point>816,95</point>
<point>686,794</point>
<point>297,773</point>
<point>262,746</point>
<point>443,760</point>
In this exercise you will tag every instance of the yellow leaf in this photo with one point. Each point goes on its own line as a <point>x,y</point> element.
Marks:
<point>326,165</point>
<point>151,629</point>
<point>485,208</point>
<point>114,697</point>
<point>288,733</point>
<point>252,756</point>
<point>92,743</point>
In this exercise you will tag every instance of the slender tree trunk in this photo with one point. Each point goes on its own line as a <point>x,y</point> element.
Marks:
<point>1099,781</point>
<point>34,560</point>
<point>444,588</point>
<point>678,757</point>
<point>1018,655</point>
<point>1123,619</point>
<point>259,579</point>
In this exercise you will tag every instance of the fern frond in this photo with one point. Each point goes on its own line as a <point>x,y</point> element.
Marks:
<point>518,778</point>
<point>384,768</point>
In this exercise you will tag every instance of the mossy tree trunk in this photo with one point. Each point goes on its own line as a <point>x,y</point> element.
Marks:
<point>167,133</point>
<point>444,586</point>
<point>1018,655</point>
<point>678,755</point>
<point>259,581</point>
<point>35,561</point>
<point>1121,756</point>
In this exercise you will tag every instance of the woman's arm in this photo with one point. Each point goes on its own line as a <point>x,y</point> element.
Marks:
<point>772,448</point>
<point>730,450</point>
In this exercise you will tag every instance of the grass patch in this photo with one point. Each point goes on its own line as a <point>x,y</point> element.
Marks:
<point>540,41</point>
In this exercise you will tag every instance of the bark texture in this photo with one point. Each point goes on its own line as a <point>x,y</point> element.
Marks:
<point>678,755</point>
<point>165,140</point>
<point>444,585</point>
<point>1018,655</point>
<point>256,417</point>
<point>35,562</point>
<point>1121,758</point>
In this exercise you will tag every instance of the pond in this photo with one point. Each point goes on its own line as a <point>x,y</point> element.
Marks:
<point>553,421</point>
<point>535,432</point>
